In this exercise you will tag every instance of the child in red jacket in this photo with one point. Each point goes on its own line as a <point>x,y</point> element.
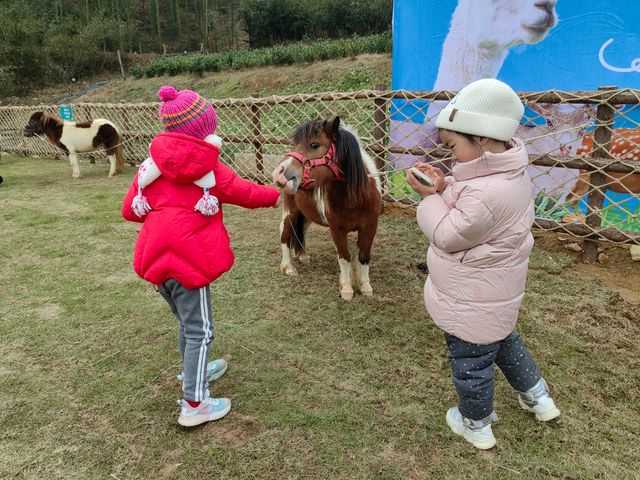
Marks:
<point>183,245</point>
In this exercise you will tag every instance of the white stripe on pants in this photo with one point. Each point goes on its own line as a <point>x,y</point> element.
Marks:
<point>193,310</point>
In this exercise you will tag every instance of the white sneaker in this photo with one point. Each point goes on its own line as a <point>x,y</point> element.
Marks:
<point>478,433</point>
<point>537,400</point>
<point>209,409</point>
<point>544,408</point>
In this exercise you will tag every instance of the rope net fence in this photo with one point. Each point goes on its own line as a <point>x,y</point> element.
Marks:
<point>584,146</point>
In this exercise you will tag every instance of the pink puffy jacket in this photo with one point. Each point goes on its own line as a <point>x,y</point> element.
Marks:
<point>480,234</point>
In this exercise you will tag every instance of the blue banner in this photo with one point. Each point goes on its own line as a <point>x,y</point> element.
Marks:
<point>532,45</point>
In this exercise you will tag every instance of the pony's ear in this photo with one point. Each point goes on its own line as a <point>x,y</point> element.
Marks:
<point>331,127</point>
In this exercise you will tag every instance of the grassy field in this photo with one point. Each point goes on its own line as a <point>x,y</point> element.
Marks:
<point>320,388</point>
<point>343,74</point>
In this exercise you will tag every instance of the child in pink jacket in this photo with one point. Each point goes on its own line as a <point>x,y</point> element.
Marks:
<point>478,222</point>
<point>183,245</point>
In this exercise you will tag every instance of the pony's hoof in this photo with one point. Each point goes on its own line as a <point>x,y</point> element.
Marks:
<point>112,174</point>
<point>304,258</point>
<point>366,291</point>
<point>346,295</point>
<point>289,270</point>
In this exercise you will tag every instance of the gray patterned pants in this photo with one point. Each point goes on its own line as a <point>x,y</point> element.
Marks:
<point>474,373</point>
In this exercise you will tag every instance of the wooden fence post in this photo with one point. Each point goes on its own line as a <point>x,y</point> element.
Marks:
<point>380,131</point>
<point>255,121</point>
<point>121,66</point>
<point>601,148</point>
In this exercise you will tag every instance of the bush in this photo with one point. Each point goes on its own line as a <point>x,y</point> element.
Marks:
<point>278,55</point>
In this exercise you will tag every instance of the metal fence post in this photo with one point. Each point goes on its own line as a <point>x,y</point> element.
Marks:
<point>601,149</point>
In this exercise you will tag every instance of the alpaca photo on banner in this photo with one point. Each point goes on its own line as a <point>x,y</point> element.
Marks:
<point>531,45</point>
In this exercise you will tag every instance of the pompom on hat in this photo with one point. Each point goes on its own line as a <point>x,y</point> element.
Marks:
<point>486,108</point>
<point>187,113</point>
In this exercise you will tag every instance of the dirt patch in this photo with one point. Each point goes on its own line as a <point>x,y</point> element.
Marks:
<point>50,311</point>
<point>619,273</point>
<point>235,432</point>
<point>397,210</point>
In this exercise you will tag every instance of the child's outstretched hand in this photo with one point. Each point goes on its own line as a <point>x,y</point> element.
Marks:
<point>278,202</point>
<point>436,176</point>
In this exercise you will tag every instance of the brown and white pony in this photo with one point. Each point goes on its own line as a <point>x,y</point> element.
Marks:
<point>330,180</point>
<point>74,138</point>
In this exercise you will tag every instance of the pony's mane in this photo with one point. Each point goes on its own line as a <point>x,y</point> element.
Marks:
<point>348,154</point>
<point>48,117</point>
<point>305,131</point>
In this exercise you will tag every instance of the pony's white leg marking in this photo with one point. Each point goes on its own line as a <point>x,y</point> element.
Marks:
<point>75,169</point>
<point>286,266</point>
<point>362,279</point>
<point>112,170</point>
<point>346,290</point>
<point>285,212</point>
<point>635,253</point>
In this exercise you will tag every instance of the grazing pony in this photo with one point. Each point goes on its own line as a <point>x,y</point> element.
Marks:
<point>328,179</point>
<point>74,138</point>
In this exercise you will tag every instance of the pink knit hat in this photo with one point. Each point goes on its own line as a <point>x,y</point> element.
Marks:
<point>187,112</point>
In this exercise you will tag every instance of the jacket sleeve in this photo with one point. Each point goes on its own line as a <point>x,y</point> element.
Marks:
<point>127,213</point>
<point>454,229</point>
<point>230,188</point>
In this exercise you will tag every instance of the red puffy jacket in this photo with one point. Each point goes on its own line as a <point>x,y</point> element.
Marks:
<point>175,241</point>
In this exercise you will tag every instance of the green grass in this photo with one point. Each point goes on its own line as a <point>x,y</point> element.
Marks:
<point>320,388</point>
<point>364,72</point>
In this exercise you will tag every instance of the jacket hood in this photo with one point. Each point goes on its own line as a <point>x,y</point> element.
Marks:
<point>182,158</point>
<point>514,161</point>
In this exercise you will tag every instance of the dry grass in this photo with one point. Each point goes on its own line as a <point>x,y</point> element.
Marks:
<point>320,388</point>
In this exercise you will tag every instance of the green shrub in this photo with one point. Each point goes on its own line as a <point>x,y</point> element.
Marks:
<point>279,55</point>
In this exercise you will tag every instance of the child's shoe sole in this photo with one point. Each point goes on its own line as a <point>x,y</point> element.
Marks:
<point>542,416</point>
<point>482,445</point>
<point>200,419</point>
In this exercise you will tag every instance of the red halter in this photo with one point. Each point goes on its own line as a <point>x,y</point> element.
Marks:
<point>328,160</point>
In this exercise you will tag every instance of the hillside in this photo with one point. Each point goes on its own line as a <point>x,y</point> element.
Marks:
<point>344,74</point>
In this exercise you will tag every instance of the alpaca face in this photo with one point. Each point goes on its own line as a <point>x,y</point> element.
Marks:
<point>504,23</point>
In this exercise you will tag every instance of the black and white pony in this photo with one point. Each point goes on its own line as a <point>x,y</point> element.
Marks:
<point>76,137</point>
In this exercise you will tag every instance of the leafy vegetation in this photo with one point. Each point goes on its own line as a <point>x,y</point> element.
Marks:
<point>279,55</point>
<point>54,41</point>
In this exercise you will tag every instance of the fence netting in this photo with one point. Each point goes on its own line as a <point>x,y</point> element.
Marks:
<point>584,147</point>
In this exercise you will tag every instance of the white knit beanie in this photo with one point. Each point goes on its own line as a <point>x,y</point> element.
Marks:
<point>486,108</point>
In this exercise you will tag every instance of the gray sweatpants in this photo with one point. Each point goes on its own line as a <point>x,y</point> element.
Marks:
<point>192,308</point>
<point>474,374</point>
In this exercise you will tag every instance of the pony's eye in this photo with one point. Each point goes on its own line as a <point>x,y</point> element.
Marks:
<point>315,145</point>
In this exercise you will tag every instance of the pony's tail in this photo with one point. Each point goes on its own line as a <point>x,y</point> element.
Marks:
<point>296,241</point>
<point>119,158</point>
